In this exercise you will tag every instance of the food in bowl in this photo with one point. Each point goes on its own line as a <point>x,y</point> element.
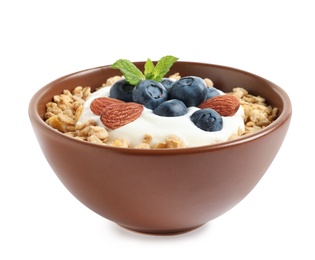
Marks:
<point>150,111</point>
<point>161,191</point>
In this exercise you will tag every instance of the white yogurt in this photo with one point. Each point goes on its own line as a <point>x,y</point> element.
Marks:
<point>160,127</point>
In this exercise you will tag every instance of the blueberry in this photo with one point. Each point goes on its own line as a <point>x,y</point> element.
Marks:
<point>167,83</point>
<point>121,90</point>
<point>149,93</point>
<point>207,119</point>
<point>170,108</point>
<point>191,90</point>
<point>212,92</point>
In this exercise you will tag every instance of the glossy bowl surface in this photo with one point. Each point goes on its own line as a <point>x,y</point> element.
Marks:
<point>162,191</point>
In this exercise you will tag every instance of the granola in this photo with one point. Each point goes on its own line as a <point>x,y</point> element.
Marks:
<point>64,111</point>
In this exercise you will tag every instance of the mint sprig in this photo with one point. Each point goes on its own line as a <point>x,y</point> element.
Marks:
<point>133,75</point>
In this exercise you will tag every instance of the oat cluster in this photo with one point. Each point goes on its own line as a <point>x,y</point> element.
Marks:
<point>257,113</point>
<point>63,112</point>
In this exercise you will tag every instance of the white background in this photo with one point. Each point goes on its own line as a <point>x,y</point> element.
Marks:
<point>43,40</point>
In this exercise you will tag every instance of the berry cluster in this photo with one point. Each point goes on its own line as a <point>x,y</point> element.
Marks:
<point>172,98</point>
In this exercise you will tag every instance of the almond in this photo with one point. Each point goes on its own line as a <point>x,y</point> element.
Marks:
<point>225,105</point>
<point>99,104</point>
<point>120,113</point>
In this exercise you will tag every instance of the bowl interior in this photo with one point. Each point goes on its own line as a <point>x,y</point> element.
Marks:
<point>224,78</point>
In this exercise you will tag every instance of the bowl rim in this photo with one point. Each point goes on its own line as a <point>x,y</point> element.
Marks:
<point>284,116</point>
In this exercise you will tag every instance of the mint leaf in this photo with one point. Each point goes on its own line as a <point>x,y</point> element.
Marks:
<point>148,69</point>
<point>163,66</point>
<point>131,73</point>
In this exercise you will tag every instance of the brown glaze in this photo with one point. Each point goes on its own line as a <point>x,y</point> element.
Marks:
<point>162,191</point>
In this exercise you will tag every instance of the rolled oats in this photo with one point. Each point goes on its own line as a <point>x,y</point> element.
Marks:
<point>120,142</point>
<point>257,113</point>
<point>145,142</point>
<point>175,76</point>
<point>174,141</point>
<point>208,82</point>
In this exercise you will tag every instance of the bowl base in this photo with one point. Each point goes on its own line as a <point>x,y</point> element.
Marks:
<point>168,232</point>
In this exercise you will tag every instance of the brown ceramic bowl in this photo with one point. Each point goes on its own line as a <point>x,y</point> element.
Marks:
<point>162,191</point>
